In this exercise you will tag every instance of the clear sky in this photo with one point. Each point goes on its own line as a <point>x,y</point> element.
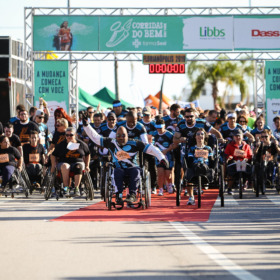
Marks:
<point>94,75</point>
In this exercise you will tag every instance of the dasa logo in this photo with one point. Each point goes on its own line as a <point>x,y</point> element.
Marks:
<point>211,32</point>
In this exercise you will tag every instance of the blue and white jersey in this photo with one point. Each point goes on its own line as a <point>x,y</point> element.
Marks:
<point>123,156</point>
<point>171,123</point>
<point>138,132</point>
<point>163,141</point>
<point>227,132</point>
<point>257,133</point>
<point>105,130</point>
<point>189,131</point>
<point>200,154</point>
<point>150,127</point>
<point>121,115</point>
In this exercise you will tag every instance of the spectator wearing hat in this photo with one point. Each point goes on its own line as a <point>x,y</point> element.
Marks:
<point>276,132</point>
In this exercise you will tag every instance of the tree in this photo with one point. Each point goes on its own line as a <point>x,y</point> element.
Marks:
<point>232,73</point>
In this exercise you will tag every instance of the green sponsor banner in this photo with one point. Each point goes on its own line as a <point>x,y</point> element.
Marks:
<point>272,80</point>
<point>51,83</point>
<point>141,33</point>
<point>60,33</point>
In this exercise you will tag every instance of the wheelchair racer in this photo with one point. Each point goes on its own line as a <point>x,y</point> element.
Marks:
<point>199,160</point>
<point>235,152</point>
<point>267,150</point>
<point>73,155</point>
<point>10,159</point>
<point>124,152</point>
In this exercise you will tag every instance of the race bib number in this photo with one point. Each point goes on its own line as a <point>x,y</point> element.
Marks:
<point>201,153</point>
<point>239,153</point>
<point>4,158</point>
<point>150,138</point>
<point>34,157</point>
<point>122,155</point>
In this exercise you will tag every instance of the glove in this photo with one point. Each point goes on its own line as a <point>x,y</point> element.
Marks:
<point>84,119</point>
<point>165,163</point>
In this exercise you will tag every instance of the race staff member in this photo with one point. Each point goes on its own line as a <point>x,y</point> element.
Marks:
<point>13,138</point>
<point>10,159</point>
<point>73,155</point>
<point>23,126</point>
<point>123,152</point>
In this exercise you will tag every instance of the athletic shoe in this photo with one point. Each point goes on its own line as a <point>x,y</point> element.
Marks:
<point>67,192</point>
<point>160,193</point>
<point>154,190</point>
<point>131,198</point>
<point>170,189</point>
<point>191,201</point>
<point>186,193</point>
<point>119,199</point>
<point>230,192</point>
<point>77,192</point>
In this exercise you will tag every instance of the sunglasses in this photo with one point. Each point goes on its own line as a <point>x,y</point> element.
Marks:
<point>111,120</point>
<point>40,117</point>
<point>69,135</point>
<point>121,135</point>
<point>90,112</point>
<point>188,117</point>
<point>200,134</point>
<point>264,136</point>
<point>58,125</point>
<point>242,121</point>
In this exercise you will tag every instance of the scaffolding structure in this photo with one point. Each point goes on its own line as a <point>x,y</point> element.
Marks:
<point>74,56</point>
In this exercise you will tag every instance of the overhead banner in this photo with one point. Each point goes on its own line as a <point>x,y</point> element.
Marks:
<point>257,33</point>
<point>63,33</point>
<point>51,83</point>
<point>272,80</point>
<point>156,33</point>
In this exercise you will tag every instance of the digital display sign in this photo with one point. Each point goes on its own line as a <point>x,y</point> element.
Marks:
<point>166,68</point>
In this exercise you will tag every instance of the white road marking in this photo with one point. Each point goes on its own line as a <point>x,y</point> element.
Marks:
<point>274,198</point>
<point>214,254</point>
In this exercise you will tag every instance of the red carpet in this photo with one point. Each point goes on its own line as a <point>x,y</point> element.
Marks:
<point>163,209</point>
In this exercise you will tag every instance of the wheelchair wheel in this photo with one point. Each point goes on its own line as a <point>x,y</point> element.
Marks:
<point>222,185</point>
<point>277,186</point>
<point>240,182</point>
<point>178,184</point>
<point>49,183</point>
<point>26,179</point>
<point>147,189</point>
<point>199,192</point>
<point>101,183</point>
<point>88,186</point>
<point>23,184</point>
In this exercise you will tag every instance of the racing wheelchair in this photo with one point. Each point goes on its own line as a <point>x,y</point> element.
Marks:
<point>19,183</point>
<point>214,177</point>
<point>143,191</point>
<point>54,185</point>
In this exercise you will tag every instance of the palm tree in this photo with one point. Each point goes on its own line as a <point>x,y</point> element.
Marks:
<point>232,73</point>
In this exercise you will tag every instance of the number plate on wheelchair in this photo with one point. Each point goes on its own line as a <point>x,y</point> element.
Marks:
<point>122,155</point>
<point>4,158</point>
<point>34,157</point>
<point>201,153</point>
<point>239,153</point>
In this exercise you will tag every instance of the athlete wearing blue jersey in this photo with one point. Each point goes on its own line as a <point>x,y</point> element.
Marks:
<point>118,109</point>
<point>135,130</point>
<point>107,127</point>
<point>186,128</point>
<point>163,139</point>
<point>123,152</point>
<point>228,128</point>
<point>173,119</point>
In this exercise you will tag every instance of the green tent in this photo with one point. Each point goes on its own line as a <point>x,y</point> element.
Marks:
<point>104,97</point>
<point>108,96</point>
<point>86,100</point>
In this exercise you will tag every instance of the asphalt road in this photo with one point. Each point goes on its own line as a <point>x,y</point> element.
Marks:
<point>240,241</point>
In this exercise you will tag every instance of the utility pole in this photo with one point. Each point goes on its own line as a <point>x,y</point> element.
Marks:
<point>116,78</point>
<point>160,95</point>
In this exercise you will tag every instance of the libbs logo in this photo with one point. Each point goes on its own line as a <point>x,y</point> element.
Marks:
<point>260,33</point>
<point>211,32</point>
